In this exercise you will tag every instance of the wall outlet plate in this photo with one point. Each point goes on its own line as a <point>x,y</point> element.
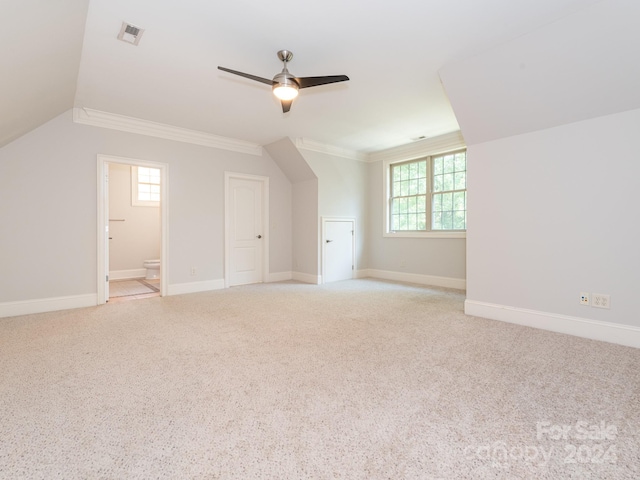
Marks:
<point>584,298</point>
<point>600,300</point>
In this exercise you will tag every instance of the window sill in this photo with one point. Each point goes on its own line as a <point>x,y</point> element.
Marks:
<point>425,234</point>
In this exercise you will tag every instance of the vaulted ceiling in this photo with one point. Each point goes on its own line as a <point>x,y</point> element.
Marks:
<point>506,65</point>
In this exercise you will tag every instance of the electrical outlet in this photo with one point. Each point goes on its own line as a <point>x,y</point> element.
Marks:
<point>584,298</point>
<point>193,271</point>
<point>600,300</point>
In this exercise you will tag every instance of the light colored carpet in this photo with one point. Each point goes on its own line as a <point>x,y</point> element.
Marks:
<point>354,380</point>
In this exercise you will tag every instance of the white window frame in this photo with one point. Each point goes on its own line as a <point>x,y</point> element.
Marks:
<point>386,189</point>
<point>135,201</point>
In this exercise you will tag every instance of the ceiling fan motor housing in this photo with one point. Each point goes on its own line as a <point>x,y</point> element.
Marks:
<point>285,86</point>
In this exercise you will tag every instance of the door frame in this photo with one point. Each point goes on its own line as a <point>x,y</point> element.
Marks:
<point>102,209</point>
<point>324,221</point>
<point>228,176</point>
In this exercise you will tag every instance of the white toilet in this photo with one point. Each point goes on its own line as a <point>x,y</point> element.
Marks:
<point>153,269</point>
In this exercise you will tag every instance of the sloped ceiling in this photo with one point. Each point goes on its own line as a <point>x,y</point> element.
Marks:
<point>582,66</point>
<point>392,51</point>
<point>41,44</point>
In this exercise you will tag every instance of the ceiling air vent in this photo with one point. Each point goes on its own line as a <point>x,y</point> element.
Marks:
<point>130,33</point>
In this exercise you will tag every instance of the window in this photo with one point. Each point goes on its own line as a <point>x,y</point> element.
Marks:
<point>428,194</point>
<point>145,186</point>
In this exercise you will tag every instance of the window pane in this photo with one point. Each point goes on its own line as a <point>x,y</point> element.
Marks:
<point>461,162</point>
<point>395,223</point>
<point>404,188</point>
<point>447,181</point>
<point>447,201</point>
<point>402,202</point>
<point>413,222</point>
<point>437,166</point>
<point>411,205</point>
<point>448,164</point>
<point>154,175</point>
<point>437,203</point>
<point>437,183</point>
<point>413,187</point>
<point>421,204</point>
<point>460,182</point>
<point>395,208</point>
<point>413,170</point>
<point>422,169</point>
<point>422,186</point>
<point>437,221</point>
<point>447,220</point>
<point>396,189</point>
<point>459,201</point>
<point>459,221</point>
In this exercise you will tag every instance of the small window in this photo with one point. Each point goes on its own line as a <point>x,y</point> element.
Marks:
<point>428,194</point>
<point>145,186</point>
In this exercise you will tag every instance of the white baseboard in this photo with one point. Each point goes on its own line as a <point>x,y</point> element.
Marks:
<point>195,287</point>
<point>447,282</point>
<point>125,274</point>
<point>307,278</point>
<point>580,327</point>
<point>279,277</point>
<point>41,305</point>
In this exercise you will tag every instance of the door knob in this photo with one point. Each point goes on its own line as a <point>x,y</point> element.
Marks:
<point>259,236</point>
<point>329,241</point>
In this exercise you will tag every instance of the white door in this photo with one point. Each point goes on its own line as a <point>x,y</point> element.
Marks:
<point>338,250</point>
<point>246,235</point>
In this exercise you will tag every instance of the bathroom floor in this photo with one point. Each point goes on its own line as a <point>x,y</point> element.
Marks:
<point>133,289</point>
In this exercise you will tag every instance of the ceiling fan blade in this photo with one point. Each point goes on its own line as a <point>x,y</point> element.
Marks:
<point>247,75</point>
<point>286,105</point>
<point>305,82</point>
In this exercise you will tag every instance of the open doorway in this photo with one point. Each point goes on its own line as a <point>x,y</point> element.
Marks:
<point>132,226</point>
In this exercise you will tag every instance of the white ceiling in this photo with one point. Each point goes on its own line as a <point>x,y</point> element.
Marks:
<point>392,52</point>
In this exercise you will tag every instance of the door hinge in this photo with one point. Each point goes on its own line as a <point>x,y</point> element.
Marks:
<point>107,278</point>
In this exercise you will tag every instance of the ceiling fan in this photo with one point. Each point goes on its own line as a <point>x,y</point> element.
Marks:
<point>285,86</point>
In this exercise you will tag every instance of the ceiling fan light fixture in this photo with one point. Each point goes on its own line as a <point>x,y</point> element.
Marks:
<point>284,85</point>
<point>285,91</point>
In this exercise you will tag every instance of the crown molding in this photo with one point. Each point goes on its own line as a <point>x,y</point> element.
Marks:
<point>428,146</point>
<point>97,118</point>
<point>307,144</point>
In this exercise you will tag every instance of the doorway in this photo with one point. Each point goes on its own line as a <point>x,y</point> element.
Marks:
<point>246,229</point>
<point>128,280</point>
<point>338,249</point>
